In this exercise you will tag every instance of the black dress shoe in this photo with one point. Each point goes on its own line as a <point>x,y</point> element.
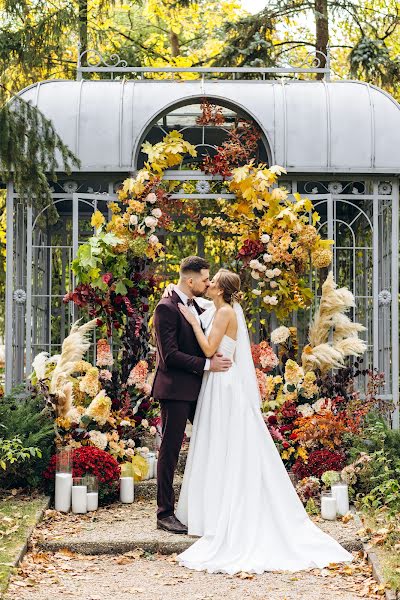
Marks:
<point>172,524</point>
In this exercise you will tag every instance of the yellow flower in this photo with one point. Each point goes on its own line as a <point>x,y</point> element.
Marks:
<point>82,366</point>
<point>321,257</point>
<point>293,372</point>
<point>302,453</point>
<point>136,206</point>
<point>90,382</point>
<point>63,422</point>
<point>97,219</point>
<point>114,207</point>
<point>99,408</point>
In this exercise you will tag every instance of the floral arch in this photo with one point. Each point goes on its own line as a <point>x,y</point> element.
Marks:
<point>276,247</point>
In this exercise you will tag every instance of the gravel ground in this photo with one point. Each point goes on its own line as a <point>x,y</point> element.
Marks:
<point>157,577</point>
<point>61,574</point>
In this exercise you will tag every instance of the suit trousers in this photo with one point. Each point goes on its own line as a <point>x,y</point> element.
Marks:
<point>174,415</point>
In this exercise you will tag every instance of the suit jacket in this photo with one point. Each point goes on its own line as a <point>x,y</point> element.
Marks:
<point>180,360</point>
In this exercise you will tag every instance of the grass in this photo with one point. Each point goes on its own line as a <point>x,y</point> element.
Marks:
<point>384,536</point>
<point>17,515</point>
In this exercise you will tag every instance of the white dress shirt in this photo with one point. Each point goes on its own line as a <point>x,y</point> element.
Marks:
<point>184,297</point>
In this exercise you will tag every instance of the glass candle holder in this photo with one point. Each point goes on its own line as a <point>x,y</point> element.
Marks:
<point>340,492</point>
<point>63,480</point>
<point>64,460</point>
<point>127,490</point>
<point>79,495</point>
<point>151,461</point>
<point>92,485</point>
<point>328,506</point>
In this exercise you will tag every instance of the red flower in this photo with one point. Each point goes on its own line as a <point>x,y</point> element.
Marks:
<point>272,420</point>
<point>286,444</point>
<point>107,278</point>
<point>318,462</point>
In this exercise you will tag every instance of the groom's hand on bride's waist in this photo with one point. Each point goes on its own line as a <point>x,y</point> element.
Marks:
<point>220,363</point>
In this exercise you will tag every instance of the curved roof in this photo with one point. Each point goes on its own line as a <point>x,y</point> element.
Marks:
<point>311,126</point>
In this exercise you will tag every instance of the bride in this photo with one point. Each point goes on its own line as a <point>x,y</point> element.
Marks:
<point>236,494</point>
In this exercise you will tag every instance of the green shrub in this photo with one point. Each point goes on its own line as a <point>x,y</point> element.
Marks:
<point>377,482</point>
<point>25,420</point>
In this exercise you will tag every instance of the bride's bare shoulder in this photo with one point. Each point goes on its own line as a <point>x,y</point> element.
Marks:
<point>227,312</point>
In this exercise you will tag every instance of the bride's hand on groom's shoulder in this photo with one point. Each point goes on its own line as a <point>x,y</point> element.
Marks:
<point>189,316</point>
<point>168,290</point>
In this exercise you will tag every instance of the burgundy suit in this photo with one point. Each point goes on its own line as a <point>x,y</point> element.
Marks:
<point>177,383</point>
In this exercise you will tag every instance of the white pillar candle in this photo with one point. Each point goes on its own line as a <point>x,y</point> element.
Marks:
<point>62,500</point>
<point>340,492</point>
<point>79,499</point>
<point>92,501</point>
<point>151,460</point>
<point>328,507</point>
<point>126,490</point>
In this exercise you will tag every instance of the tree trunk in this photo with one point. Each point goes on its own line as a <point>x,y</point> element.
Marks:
<point>321,33</point>
<point>173,38</point>
<point>83,29</point>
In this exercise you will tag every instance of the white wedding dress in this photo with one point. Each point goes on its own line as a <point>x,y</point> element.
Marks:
<point>236,493</point>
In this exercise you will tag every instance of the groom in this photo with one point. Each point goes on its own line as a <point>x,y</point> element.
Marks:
<point>177,382</point>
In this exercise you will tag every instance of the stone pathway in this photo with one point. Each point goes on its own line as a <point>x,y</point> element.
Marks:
<point>120,528</point>
<point>118,553</point>
<point>157,577</point>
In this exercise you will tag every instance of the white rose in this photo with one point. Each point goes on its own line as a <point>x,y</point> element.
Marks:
<point>273,300</point>
<point>145,423</point>
<point>253,264</point>
<point>262,268</point>
<point>152,198</point>
<point>255,275</point>
<point>267,258</point>
<point>265,238</point>
<point>125,423</point>
<point>152,430</point>
<point>273,284</point>
<point>153,240</point>
<point>133,220</point>
<point>256,292</point>
<point>156,212</point>
<point>150,221</point>
<point>277,272</point>
<point>269,273</point>
<point>130,443</point>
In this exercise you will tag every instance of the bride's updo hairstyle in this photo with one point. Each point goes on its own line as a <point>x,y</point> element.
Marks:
<point>229,283</point>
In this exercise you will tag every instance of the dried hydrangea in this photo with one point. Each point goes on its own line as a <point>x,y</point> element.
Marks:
<point>90,382</point>
<point>280,335</point>
<point>99,408</point>
<point>104,356</point>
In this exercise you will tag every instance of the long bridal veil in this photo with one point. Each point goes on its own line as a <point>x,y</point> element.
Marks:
<point>244,359</point>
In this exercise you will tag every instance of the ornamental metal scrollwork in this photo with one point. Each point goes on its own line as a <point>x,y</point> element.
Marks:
<point>384,188</point>
<point>19,296</point>
<point>70,186</point>
<point>316,60</point>
<point>384,298</point>
<point>95,59</point>
<point>202,186</point>
<point>334,187</point>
